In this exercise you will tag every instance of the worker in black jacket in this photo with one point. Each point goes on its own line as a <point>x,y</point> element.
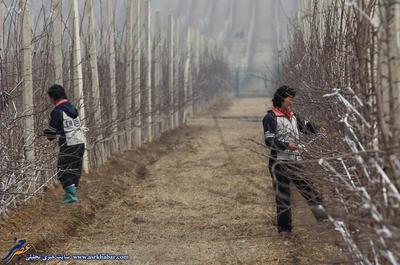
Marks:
<point>65,122</point>
<point>281,131</point>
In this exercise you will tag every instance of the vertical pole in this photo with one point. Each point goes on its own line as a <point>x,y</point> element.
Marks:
<point>207,48</point>
<point>195,94</point>
<point>197,50</point>
<point>206,61</point>
<point>2,20</point>
<point>278,35</point>
<point>202,62</point>
<point>187,93</point>
<point>95,92</point>
<point>176,68</point>
<point>237,81</point>
<point>138,90</point>
<point>26,75</point>
<point>71,59</point>
<point>129,80</point>
<point>148,71</point>
<point>78,82</point>
<point>171,69</point>
<point>395,64</point>
<point>57,40</point>
<point>158,74</point>
<point>113,89</point>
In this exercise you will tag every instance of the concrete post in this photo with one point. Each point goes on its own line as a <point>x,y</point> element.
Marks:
<point>201,62</point>
<point>148,71</point>
<point>138,90</point>
<point>78,82</point>
<point>171,70</point>
<point>2,20</point>
<point>26,75</point>
<point>57,40</point>
<point>395,66</point>
<point>196,65</point>
<point>158,76</point>
<point>95,91</point>
<point>113,90</point>
<point>187,77</point>
<point>176,69</point>
<point>129,81</point>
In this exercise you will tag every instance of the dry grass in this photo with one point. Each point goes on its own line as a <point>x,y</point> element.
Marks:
<point>206,199</point>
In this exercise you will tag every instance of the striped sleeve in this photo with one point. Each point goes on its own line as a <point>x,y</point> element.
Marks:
<point>270,136</point>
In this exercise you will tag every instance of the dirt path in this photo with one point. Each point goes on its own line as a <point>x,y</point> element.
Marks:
<point>203,198</point>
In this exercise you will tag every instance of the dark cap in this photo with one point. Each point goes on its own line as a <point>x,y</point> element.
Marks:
<point>282,93</point>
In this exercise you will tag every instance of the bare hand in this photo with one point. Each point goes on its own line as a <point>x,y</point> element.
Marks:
<point>292,146</point>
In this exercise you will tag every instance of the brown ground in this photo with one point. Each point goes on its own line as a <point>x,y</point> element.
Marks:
<point>201,195</point>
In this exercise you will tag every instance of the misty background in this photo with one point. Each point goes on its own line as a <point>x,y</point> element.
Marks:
<point>254,32</point>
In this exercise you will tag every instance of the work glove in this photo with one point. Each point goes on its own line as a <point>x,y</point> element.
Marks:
<point>50,134</point>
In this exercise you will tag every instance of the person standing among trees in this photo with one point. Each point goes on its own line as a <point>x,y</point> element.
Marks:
<point>282,129</point>
<point>65,122</point>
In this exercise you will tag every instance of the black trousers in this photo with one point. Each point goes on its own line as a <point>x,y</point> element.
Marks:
<point>69,164</point>
<point>283,175</point>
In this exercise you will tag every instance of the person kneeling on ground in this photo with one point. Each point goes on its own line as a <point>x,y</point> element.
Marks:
<point>281,131</point>
<point>65,122</point>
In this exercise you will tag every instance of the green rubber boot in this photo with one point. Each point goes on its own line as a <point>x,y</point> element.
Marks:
<point>70,195</point>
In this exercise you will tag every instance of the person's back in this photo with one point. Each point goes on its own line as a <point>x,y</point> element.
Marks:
<point>65,122</point>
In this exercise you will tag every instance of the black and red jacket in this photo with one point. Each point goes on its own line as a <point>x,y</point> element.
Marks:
<point>65,122</point>
<point>281,128</point>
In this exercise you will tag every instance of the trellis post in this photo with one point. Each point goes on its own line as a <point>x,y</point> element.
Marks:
<point>138,89</point>
<point>113,90</point>
<point>196,56</point>
<point>129,81</point>
<point>95,90</point>
<point>27,84</point>
<point>149,48</point>
<point>187,77</point>
<point>158,76</point>
<point>57,40</point>
<point>78,76</point>
<point>176,69</point>
<point>171,70</point>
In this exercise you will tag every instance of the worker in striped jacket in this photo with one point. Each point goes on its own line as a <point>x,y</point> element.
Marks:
<point>282,130</point>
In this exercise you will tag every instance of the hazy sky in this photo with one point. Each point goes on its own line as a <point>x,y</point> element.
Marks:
<point>253,30</point>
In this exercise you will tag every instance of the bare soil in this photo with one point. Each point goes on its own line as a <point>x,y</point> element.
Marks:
<point>201,194</point>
